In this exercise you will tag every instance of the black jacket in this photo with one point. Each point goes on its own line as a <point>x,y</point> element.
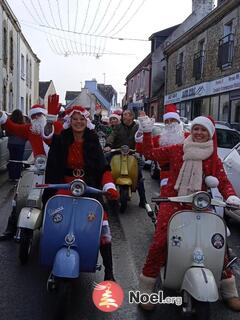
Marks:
<point>94,162</point>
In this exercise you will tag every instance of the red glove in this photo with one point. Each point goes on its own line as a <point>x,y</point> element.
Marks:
<point>112,194</point>
<point>53,104</point>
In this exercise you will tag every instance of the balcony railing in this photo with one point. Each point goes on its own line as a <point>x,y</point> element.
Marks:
<point>198,64</point>
<point>225,51</point>
<point>179,74</point>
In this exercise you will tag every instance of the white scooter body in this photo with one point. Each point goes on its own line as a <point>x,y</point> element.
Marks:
<point>232,167</point>
<point>196,249</point>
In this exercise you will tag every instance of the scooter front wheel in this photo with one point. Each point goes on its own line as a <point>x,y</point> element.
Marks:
<point>202,310</point>
<point>25,246</point>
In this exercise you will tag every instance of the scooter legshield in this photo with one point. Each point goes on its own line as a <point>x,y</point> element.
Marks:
<point>66,264</point>
<point>66,215</point>
<point>195,239</point>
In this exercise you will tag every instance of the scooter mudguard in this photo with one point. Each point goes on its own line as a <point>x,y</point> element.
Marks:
<point>200,284</point>
<point>195,239</point>
<point>66,263</point>
<point>74,223</point>
<point>122,181</point>
<point>30,218</point>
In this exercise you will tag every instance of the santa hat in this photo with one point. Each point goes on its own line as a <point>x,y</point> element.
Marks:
<point>116,115</point>
<point>209,124</point>
<point>171,113</point>
<point>70,111</point>
<point>206,123</point>
<point>105,119</point>
<point>37,108</point>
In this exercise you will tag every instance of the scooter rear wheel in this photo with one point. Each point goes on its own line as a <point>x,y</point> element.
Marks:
<point>25,245</point>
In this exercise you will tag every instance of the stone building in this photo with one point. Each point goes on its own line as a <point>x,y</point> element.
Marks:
<point>203,66</point>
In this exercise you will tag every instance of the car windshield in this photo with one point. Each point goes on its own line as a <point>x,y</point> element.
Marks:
<point>227,138</point>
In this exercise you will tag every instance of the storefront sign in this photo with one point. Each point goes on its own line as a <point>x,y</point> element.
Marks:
<point>199,90</point>
<point>225,84</point>
<point>229,83</point>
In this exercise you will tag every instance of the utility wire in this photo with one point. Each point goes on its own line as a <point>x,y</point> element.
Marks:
<point>122,16</point>
<point>94,35</point>
<point>103,17</point>
<point>111,17</point>
<point>130,19</point>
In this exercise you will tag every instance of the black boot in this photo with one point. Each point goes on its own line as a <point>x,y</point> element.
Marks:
<point>106,252</point>
<point>11,227</point>
<point>141,192</point>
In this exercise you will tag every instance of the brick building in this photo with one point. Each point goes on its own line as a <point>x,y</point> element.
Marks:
<point>203,66</point>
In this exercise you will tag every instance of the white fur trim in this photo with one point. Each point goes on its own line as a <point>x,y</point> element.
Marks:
<point>113,115</point>
<point>171,115</point>
<point>139,136</point>
<point>206,123</point>
<point>233,200</point>
<point>37,110</point>
<point>67,123</point>
<point>109,185</point>
<point>105,223</point>
<point>212,182</point>
<point>228,288</point>
<point>3,118</point>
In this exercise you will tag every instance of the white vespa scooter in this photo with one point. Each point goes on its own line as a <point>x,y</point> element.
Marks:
<point>195,252</point>
<point>232,167</point>
<point>28,201</point>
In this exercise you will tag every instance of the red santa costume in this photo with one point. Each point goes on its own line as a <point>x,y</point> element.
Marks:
<point>171,134</point>
<point>182,158</point>
<point>31,131</point>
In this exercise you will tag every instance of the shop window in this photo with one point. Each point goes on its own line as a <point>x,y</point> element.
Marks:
<point>22,67</point>
<point>4,105</point>
<point>179,70</point>
<point>224,108</point>
<point>11,51</point>
<point>5,56</point>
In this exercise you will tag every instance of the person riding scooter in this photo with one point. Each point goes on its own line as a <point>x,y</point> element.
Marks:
<point>34,132</point>
<point>189,164</point>
<point>124,134</point>
<point>76,153</point>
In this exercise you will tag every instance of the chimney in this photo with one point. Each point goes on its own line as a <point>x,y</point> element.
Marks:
<point>202,7</point>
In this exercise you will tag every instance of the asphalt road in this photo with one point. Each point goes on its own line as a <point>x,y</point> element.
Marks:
<point>23,294</point>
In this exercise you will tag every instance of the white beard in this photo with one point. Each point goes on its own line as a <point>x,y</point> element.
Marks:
<point>172,134</point>
<point>38,125</point>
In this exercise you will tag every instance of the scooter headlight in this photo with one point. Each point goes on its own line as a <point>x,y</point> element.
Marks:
<point>125,150</point>
<point>201,201</point>
<point>78,188</point>
<point>40,162</point>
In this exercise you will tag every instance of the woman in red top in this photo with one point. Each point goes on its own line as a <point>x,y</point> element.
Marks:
<point>76,153</point>
<point>189,163</point>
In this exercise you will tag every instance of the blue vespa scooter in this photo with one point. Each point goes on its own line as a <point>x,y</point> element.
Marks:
<point>70,236</point>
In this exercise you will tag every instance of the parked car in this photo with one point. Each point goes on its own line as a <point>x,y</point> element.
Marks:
<point>227,138</point>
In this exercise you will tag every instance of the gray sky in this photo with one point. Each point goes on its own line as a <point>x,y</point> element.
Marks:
<point>135,19</point>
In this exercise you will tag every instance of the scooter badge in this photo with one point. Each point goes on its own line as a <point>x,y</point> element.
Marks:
<point>91,216</point>
<point>176,241</point>
<point>217,241</point>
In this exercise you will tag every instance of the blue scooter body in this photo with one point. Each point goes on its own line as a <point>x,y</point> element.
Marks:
<point>71,235</point>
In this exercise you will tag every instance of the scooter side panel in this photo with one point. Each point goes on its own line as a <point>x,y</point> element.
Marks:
<point>187,233</point>
<point>81,217</point>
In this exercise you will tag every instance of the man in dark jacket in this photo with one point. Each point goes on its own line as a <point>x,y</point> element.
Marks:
<point>124,134</point>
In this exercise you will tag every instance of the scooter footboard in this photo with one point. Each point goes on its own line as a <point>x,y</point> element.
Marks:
<point>200,284</point>
<point>66,263</point>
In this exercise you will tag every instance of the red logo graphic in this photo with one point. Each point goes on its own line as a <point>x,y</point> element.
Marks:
<point>108,296</point>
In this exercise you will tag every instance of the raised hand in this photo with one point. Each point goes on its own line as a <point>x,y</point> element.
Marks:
<point>53,104</point>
